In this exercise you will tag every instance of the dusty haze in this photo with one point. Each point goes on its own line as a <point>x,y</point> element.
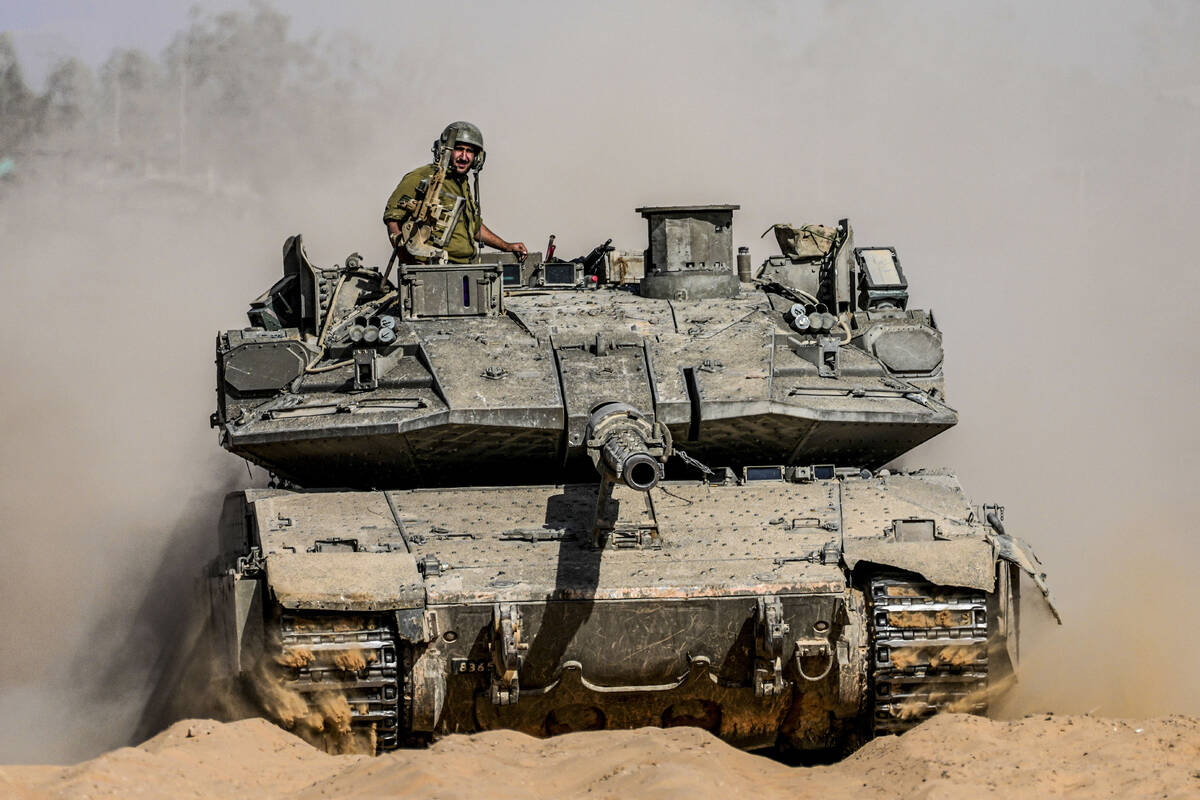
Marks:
<point>1035,168</point>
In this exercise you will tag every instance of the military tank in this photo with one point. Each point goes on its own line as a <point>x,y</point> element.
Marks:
<point>636,488</point>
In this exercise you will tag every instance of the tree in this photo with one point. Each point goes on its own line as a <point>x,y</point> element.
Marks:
<point>20,110</point>
<point>70,96</point>
<point>132,100</point>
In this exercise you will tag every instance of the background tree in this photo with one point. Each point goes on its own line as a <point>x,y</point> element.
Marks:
<point>70,97</point>
<point>20,109</point>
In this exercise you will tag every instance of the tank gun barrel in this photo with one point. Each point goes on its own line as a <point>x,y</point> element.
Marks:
<point>626,447</point>
<point>627,459</point>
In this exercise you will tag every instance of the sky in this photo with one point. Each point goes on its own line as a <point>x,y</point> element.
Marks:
<point>1092,36</point>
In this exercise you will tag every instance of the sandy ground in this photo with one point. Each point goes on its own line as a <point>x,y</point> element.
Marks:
<point>950,756</point>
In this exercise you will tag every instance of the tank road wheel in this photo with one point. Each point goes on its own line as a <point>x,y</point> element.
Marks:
<point>929,650</point>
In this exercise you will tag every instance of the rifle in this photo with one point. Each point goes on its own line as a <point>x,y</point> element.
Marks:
<point>430,223</point>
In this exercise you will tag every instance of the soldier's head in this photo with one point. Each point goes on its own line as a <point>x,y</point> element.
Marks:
<point>468,152</point>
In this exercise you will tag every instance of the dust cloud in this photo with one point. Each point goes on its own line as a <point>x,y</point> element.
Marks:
<point>1035,166</point>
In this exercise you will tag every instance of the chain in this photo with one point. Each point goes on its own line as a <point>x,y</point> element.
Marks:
<point>693,462</point>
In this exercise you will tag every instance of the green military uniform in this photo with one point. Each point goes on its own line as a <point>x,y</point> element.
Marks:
<point>461,247</point>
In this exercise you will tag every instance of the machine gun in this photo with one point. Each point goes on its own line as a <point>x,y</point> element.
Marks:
<point>593,261</point>
<point>628,451</point>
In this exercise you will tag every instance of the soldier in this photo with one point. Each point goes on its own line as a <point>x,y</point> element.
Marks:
<point>467,158</point>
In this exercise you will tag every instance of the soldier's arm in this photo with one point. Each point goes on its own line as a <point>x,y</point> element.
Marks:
<point>393,214</point>
<point>492,240</point>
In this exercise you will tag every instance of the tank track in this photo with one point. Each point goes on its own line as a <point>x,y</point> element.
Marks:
<point>327,650</point>
<point>929,651</point>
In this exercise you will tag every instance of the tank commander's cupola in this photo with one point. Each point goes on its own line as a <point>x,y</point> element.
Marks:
<point>691,252</point>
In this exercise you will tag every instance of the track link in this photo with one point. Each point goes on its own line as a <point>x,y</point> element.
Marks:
<point>357,658</point>
<point>929,651</point>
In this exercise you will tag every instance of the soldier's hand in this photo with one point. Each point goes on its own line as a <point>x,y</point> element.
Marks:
<point>520,249</point>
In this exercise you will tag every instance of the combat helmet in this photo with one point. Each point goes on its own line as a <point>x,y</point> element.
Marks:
<point>463,132</point>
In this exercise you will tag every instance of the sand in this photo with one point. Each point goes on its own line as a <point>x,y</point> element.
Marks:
<point>949,756</point>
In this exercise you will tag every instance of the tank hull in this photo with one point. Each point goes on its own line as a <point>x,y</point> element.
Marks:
<point>754,613</point>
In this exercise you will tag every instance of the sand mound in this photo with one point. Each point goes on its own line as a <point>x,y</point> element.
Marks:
<point>192,758</point>
<point>1045,756</point>
<point>949,756</point>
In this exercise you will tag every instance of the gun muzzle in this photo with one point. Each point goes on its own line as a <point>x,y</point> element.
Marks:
<point>629,461</point>
<point>626,447</point>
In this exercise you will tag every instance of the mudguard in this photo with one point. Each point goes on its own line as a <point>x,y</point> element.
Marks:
<point>966,562</point>
<point>1016,552</point>
<point>345,581</point>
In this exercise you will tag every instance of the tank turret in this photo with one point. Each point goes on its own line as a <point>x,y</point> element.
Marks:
<point>488,372</point>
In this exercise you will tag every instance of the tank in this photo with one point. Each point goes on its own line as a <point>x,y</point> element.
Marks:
<point>619,491</point>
